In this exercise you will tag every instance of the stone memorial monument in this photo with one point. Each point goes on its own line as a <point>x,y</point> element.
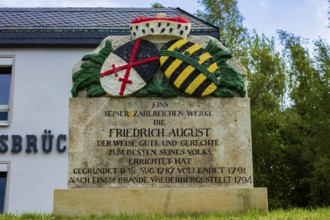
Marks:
<point>159,123</point>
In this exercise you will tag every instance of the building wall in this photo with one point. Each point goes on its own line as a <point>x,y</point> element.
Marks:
<point>41,92</point>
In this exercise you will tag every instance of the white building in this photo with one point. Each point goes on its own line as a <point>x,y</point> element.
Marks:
<point>38,48</point>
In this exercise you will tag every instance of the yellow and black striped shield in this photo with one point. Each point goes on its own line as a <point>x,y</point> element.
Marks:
<point>189,67</point>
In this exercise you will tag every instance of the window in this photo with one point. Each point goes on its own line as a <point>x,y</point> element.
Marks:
<point>3,186</point>
<point>6,64</point>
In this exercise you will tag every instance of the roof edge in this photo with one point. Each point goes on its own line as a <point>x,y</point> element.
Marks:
<point>218,28</point>
<point>79,8</point>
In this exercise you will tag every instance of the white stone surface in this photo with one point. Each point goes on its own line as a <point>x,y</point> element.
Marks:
<point>111,83</point>
<point>156,142</point>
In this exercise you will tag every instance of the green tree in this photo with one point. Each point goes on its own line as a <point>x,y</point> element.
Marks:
<point>307,127</point>
<point>157,5</point>
<point>267,77</point>
<point>225,15</point>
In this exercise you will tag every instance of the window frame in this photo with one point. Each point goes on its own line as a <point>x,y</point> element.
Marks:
<point>6,165</point>
<point>8,108</point>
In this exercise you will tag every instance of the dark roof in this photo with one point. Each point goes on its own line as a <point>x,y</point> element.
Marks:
<point>80,26</point>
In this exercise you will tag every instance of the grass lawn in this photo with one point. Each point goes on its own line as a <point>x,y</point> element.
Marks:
<point>320,213</point>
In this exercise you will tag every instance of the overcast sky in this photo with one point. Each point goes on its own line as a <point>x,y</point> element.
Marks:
<point>306,18</point>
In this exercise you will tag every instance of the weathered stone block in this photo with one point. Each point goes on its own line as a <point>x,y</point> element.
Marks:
<point>159,142</point>
<point>163,200</point>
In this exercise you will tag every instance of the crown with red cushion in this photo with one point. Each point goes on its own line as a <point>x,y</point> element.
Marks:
<point>160,25</point>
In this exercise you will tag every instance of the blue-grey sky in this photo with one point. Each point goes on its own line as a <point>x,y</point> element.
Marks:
<point>306,18</point>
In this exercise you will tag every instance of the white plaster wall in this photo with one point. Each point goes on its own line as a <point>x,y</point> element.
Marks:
<point>42,84</point>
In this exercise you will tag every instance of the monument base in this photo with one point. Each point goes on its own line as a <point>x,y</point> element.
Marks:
<point>157,200</point>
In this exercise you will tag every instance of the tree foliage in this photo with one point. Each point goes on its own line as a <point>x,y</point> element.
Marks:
<point>290,108</point>
<point>308,120</point>
<point>225,15</point>
<point>157,5</point>
<point>266,90</point>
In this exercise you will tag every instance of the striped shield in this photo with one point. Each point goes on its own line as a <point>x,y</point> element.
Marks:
<point>189,67</point>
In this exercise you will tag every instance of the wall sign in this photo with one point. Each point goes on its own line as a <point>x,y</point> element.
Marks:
<point>31,143</point>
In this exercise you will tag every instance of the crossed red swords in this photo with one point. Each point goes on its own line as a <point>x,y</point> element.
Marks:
<point>128,67</point>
